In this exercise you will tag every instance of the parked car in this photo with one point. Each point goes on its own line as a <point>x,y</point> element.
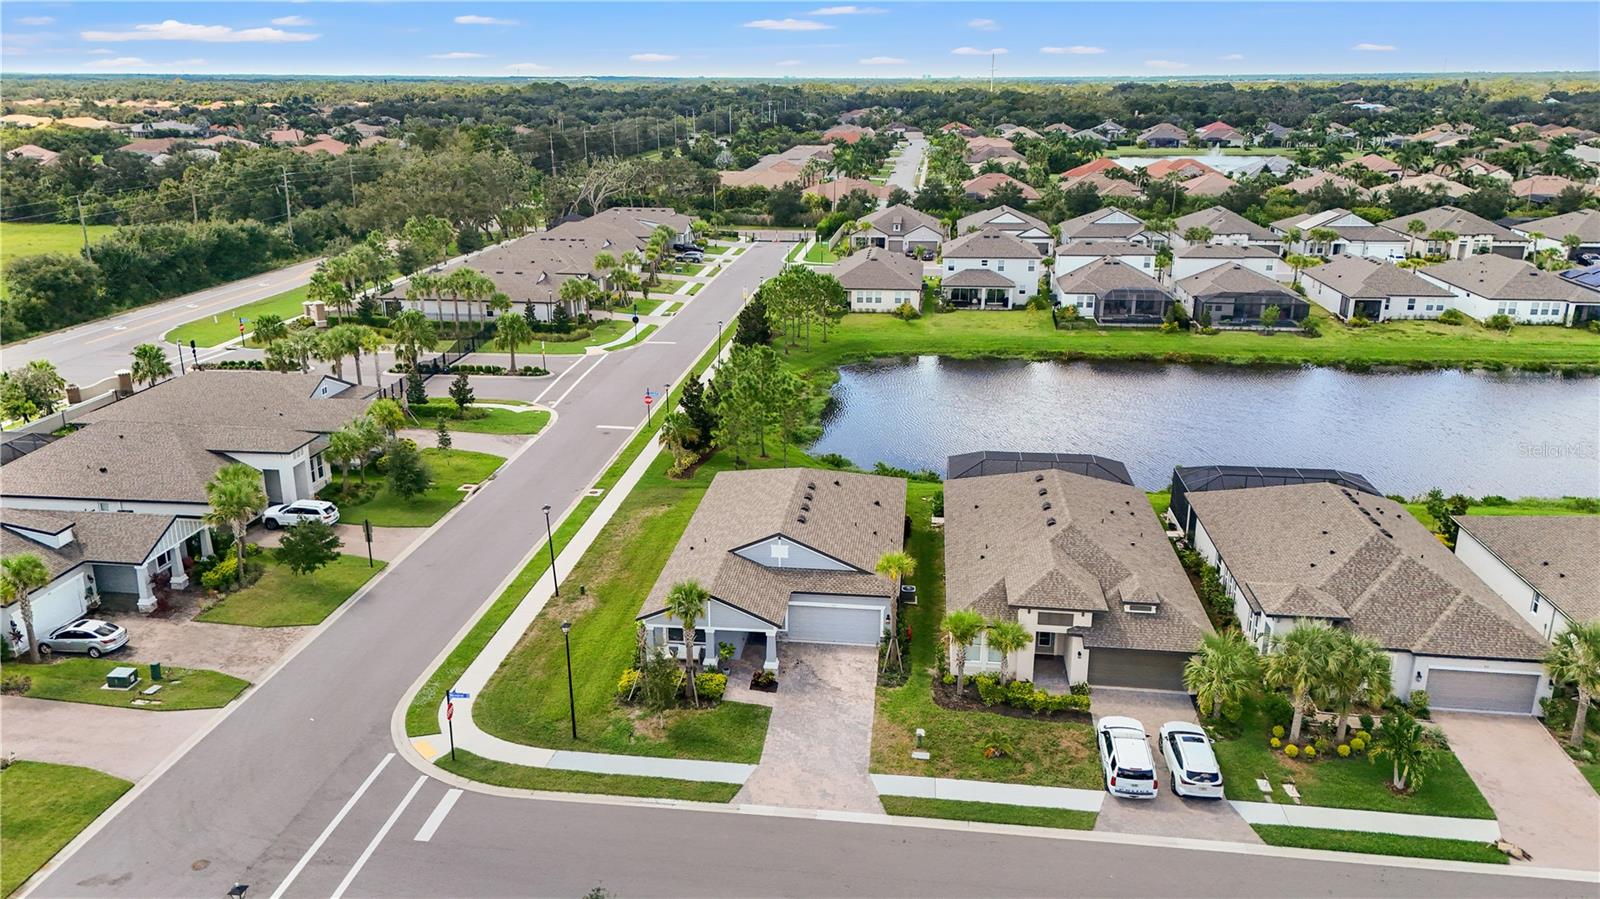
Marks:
<point>1125,758</point>
<point>694,256</point>
<point>1189,757</point>
<point>681,247</point>
<point>304,510</point>
<point>927,254</point>
<point>1589,258</point>
<point>90,636</point>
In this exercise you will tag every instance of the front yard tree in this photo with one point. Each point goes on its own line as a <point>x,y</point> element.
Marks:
<point>1298,663</point>
<point>345,446</point>
<point>413,333</point>
<point>1299,262</point>
<point>962,627</point>
<point>686,601</point>
<point>1225,670</point>
<point>461,394</point>
<point>510,332</point>
<point>1007,637</point>
<point>1574,658</point>
<point>1409,748</point>
<point>1199,234</point>
<point>308,546</point>
<point>441,434</point>
<point>20,575</point>
<point>409,476</point>
<point>388,415</point>
<point>371,342</point>
<point>1358,671</point>
<point>896,566</point>
<point>697,407</point>
<point>236,498</point>
<point>150,364</point>
<point>754,327</point>
<point>32,389</point>
<point>268,328</point>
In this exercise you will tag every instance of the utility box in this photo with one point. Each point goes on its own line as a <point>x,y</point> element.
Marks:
<point>123,678</point>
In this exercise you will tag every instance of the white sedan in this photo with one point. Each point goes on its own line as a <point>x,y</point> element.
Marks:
<point>1189,757</point>
<point>282,516</point>
<point>1125,758</point>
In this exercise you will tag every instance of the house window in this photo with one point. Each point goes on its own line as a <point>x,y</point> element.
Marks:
<point>1030,266</point>
<point>316,467</point>
<point>950,267</point>
<point>1045,639</point>
<point>675,635</point>
<point>983,262</point>
<point>1000,265</point>
<point>1535,607</point>
<point>1411,305</point>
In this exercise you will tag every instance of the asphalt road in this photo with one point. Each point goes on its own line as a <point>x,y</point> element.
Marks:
<point>907,163</point>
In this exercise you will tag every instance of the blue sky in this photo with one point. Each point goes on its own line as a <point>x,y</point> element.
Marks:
<point>883,39</point>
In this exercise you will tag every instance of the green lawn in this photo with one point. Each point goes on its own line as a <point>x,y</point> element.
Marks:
<point>282,598</point>
<point>451,468</point>
<point>668,286</point>
<point>604,330</point>
<point>993,813</point>
<point>205,332</point>
<point>640,336</point>
<point>480,420</point>
<point>696,288</point>
<point>1379,844</point>
<point>822,254</point>
<point>80,679</point>
<point>526,700</point>
<point>18,239</point>
<point>642,306</point>
<point>1048,752</point>
<point>794,253</point>
<point>1531,505</point>
<point>1160,500</point>
<point>688,268</point>
<point>1357,783</point>
<point>45,807</point>
<point>521,777</point>
<point>1031,335</point>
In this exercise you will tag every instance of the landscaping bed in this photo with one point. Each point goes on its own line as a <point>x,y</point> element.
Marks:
<point>521,777</point>
<point>1379,844</point>
<point>1558,720</point>
<point>46,806</point>
<point>379,505</point>
<point>480,420</point>
<point>281,598</point>
<point>991,812</point>
<point>82,680</point>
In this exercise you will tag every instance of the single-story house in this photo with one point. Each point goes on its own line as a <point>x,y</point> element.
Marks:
<point>777,169</point>
<point>1182,166</point>
<point>1273,135</point>
<point>324,143</point>
<point>1111,130</point>
<point>1376,290</point>
<point>846,132</point>
<point>983,186</point>
<point>876,279</point>
<point>1105,223</point>
<point>1235,295</point>
<point>1583,222</point>
<point>1071,551</point>
<point>284,136</point>
<point>1545,567</point>
<point>1015,222</point>
<point>900,226</point>
<point>34,152</point>
<point>1219,134</point>
<point>1488,284</point>
<point>1111,291</point>
<point>1211,184</point>
<point>1311,182</point>
<point>1545,188</point>
<point>1383,165</point>
<point>1473,234</point>
<point>1427,182</point>
<point>839,188</point>
<point>1226,227</point>
<point>960,128</point>
<point>1356,236</point>
<point>1164,134</point>
<point>1192,260</point>
<point>990,269</point>
<point>977,156</point>
<point>1098,164</point>
<point>785,553</point>
<point>1079,253</point>
<point>1321,552</point>
<point>1106,186</point>
<point>1253,166</point>
<point>1475,167</point>
<point>166,126</point>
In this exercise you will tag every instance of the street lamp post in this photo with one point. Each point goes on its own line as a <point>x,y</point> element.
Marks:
<point>572,705</point>
<point>719,338</point>
<point>550,541</point>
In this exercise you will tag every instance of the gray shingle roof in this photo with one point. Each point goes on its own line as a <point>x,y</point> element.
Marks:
<point>1365,557</point>
<point>1164,130</point>
<point>1361,278</point>
<point>977,277</point>
<point>111,537</point>
<point>990,243</point>
<point>1089,225</point>
<point>1096,247</point>
<point>1105,275</point>
<point>1451,218</point>
<point>1232,279</point>
<point>1497,277</point>
<point>1559,555</point>
<point>1584,222</point>
<point>910,219</point>
<point>1222,221</point>
<point>876,268</point>
<point>983,219</point>
<point>1225,251</point>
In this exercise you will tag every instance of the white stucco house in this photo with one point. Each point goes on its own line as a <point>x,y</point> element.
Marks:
<point>990,269</point>
<point>1081,252</point>
<point>1375,290</point>
<point>1227,227</point>
<point>1014,222</point>
<point>1107,223</point>
<point>1490,284</point>
<point>1474,234</point>
<point>1545,567</point>
<point>877,279</point>
<point>1196,258</point>
<point>1355,236</point>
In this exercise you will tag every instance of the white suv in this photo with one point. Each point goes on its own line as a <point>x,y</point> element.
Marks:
<point>1125,758</point>
<point>1194,767</point>
<point>302,510</point>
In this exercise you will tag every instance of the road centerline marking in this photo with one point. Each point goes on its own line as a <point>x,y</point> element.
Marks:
<point>430,826</point>
<point>328,831</point>
<point>378,837</point>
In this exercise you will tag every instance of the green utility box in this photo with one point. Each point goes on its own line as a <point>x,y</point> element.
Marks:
<point>123,678</point>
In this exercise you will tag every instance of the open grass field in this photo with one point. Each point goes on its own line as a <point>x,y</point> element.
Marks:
<point>45,807</point>
<point>1531,505</point>
<point>521,777</point>
<point>821,254</point>
<point>205,332</point>
<point>1379,844</point>
<point>480,420</point>
<point>451,468</point>
<point>282,598</point>
<point>18,239</point>
<point>81,679</point>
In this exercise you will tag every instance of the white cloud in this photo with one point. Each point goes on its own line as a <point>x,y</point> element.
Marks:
<point>527,67</point>
<point>458,54</point>
<point>1373,48</point>
<point>978,51</point>
<point>1231,57</point>
<point>1165,64</point>
<point>1074,50</point>
<point>483,20</point>
<point>653,57</point>
<point>882,61</point>
<point>102,51</point>
<point>173,30</point>
<point>984,24</point>
<point>36,20</point>
<point>787,62</point>
<point>291,20</point>
<point>787,25</point>
<point>848,11</point>
<point>121,62</point>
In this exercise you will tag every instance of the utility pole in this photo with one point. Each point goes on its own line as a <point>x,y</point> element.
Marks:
<point>194,208</point>
<point>991,73</point>
<point>351,164</point>
<point>85,227</point>
<point>552,137</point>
<point>288,211</point>
<point>614,140</point>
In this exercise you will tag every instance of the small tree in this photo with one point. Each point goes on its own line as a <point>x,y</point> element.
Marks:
<point>409,475</point>
<point>461,393</point>
<point>961,627</point>
<point>441,433</point>
<point>308,546</point>
<point>387,415</point>
<point>1198,234</point>
<point>1225,670</point>
<point>236,498</point>
<point>686,601</point>
<point>1007,637</point>
<point>150,364</point>
<point>20,575</point>
<point>1574,658</point>
<point>1270,316</point>
<point>896,566</point>
<point>1298,663</point>
<point>509,332</point>
<point>416,389</point>
<point>1409,748</point>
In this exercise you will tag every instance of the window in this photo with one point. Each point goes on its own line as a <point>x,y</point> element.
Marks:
<point>1030,266</point>
<point>675,635</point>
<point>950,267</point>
<point>1411,304</point>
<point>1000,265</point>
<point>1535,607</point>
<point>1045,639</point>
<point>316,466</point>
<point>983,262</point>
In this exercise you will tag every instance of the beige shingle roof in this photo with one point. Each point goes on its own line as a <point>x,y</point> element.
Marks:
<point>878,269</point>
<point>1497,277</point>
<point>985,219</point>
<point>1362,278</point>
<point>1584,222</point>
<point>909,217</point>
<point>1232,279</point>
<point>1222,221</point>
<point>1094,247</point>
<point>1105,275</point>
<point>1092,225</point>
<point>1559,555</point>
<point>1451,218</point>
<point>111,537</point>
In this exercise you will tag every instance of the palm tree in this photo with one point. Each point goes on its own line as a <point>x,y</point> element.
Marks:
<point>20,575</point>
<point>1445,237</point>
<point>1416,228</point>
<point>1358,671</point>
<point>413,334</point>
<point>355,341</point>
<point>423,287</point>
<point>388,415</point>
<point>338,342</point>
<point>1299,262</point>
<point>1298,662</point>
<point>1408,747</point>
<point>371,342</point>
<point>1199,234</point>
<point>578,293</point>
<point>345,446</point>
<point>455,285</point>
<point>679,435</point>
<point>1007,637</point>
<point>961,627</point>
<point>511,331</point>
<point>236,498</point>
<point>302,345</point>
<point>499,304</point>
<point>1291,236</point>
<point>604,266</point>
<point>1574,658</point>
<point>1226,669</point>
<point>896,566</point>
<point>1323,239</point>
<point>327,285</point>
<point>268,328</point>
<point>150,364</point>
<point>686,601</point>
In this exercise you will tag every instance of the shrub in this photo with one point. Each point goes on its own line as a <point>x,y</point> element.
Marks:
<point>1344,750</point>
<point>763,679</point>
<point>710,685</point>
<point>989,689</point>
<point>661,679</point>
<point>1080,689</point>
<point>15,684</point>
<point>1594,326</point>
<point>833,460</point>
<point>1311,327</point>
<point>1291,750</point>
<point>1367,724</point>
<point>1498,322</point>
<point>1452,317</point>
<point>1358,745</point>
<point>949,679</point>
<point>221,574</point>
<point>1311,752</point>
<point>1364,734</point>
<point>626,683</point>
<point>907,312</point>
<point>1323,745</point>
<point>1419,703</point>
<point>1275,743</point>
<point>1168,328</point>
<point>996,745</point>
<point>1277,730</point>
<point>1275,707</point>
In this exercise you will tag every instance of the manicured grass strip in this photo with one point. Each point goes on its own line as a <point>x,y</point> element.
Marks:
<point>695,287</point>
<point>643,306</point>
<point>990,812</point>
<point>521,777</point>
<point>282,598</point>
<point>480,420</point>
<point>688,268</point>
<point>45,807</point>
<point>668,286</point>
<point>820,253</point>
<point>81,680</point>
<point>644,334</point>
<point>451,468</point>
<point>1379,844</point>
<point>205,332</point>
<point>794,253</point>
<point>604,330</point>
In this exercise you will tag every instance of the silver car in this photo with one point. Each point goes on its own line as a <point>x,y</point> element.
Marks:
<point>90,636</point>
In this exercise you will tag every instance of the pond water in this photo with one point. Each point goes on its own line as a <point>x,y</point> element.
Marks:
<point>1473,433</point>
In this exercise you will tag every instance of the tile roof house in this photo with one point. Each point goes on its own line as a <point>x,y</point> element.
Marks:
<point>1490,284</point>
<point>1473,234</point>
<point>1544,566</point>
<point>1164,134</point>
<point>960,128</point>
<point>839,188</point>
<point>876,279</point>
<point>1356,235</point>
<point>1079,560</point>
<point>777,169</point>
<point>1180,166</point>
<point>900,226</point>
<point>1012,221</point>
<point>1114,291</point>
<point>284,136</point>
<point>1098,164</point>
<point>1311,182</point>
<point>846,132</point>
<point>1426,182</point>
<point>1086,251</point>
<point>976,157</point>
<point>1107,222</point>
<point>1375,163</point>
<point>789,553</point>
<point>1585,223</point>
<point>1545,188</point>
<point>1322,552</point>
<point>1105,186</point>
<point>983,186</point>
<point>1211,184</point>
<point>324,143</point>
<point>1374,290</point>
<point>1219,134</point>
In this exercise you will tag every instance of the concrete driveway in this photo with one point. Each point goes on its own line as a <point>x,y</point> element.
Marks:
<point>127,743</point>
<point>1543,803</point>
<point>820,737</point>
<point>1167,814</point>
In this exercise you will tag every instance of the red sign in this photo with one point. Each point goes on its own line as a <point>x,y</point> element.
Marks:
<point>648,399</point>
<point>449,710</point>
<point>241,328</point>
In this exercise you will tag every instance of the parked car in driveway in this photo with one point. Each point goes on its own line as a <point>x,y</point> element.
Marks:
<point>90,636</point>
<point>1125,759</point>
<point>304,510</point>
<point>1189,757</point>
<point>694,256</point>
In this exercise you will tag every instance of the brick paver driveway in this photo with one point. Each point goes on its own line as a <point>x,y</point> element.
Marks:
<point>820,736</point>
<point>1543,803</point>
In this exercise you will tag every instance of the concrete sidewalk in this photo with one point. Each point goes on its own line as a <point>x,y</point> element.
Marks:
<point>1477,830</point>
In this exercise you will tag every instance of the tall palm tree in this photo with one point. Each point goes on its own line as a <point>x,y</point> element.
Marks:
<point>1298,663</point>
<point>345,446</point>
<point>1323,239</point>
<point>20,575</point>
<point>686,601</point>
<point>336,343</point>
<point>498,304</point>
<point>680,437</point>
<point>371,342</point>
<point>1226,669</point>
<point>1445,237</point>
<point>423,287</point>
<point>268,328</point>
<point>605,266</point>
<point>1409,748</point>
<point>1007,637</point>
<point>961,627</point>
<point>511,331</point>
<point>1574,657</point>
<point>355,341</point>
<point>413,335</point>
<point>236,498</point>
<point>896,566</point>
<point>327,285</point>
<point>1358,671</point>
<point>150,364</point>
<point>1298,262</point>
<point>302,344</point>
<point>578,293</point>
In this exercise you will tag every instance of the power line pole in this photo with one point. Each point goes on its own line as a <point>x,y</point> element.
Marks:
<point>614,139</point>
<point>552,137</point>
<point>85,226</point>
<point>288,212</point>
<point>991,73</point>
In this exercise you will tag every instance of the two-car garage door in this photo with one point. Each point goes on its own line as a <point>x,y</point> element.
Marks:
<point>851,620</point>
<point>1482,691</point>
<point>1144,669</point>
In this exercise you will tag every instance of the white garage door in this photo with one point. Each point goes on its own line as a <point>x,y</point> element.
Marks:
<point>1482,691</point>
<point>849,621</point>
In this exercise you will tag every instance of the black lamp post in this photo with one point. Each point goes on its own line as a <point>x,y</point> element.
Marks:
<point>550,541</point>
<point>572,705</point>
<point>719,338</point>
